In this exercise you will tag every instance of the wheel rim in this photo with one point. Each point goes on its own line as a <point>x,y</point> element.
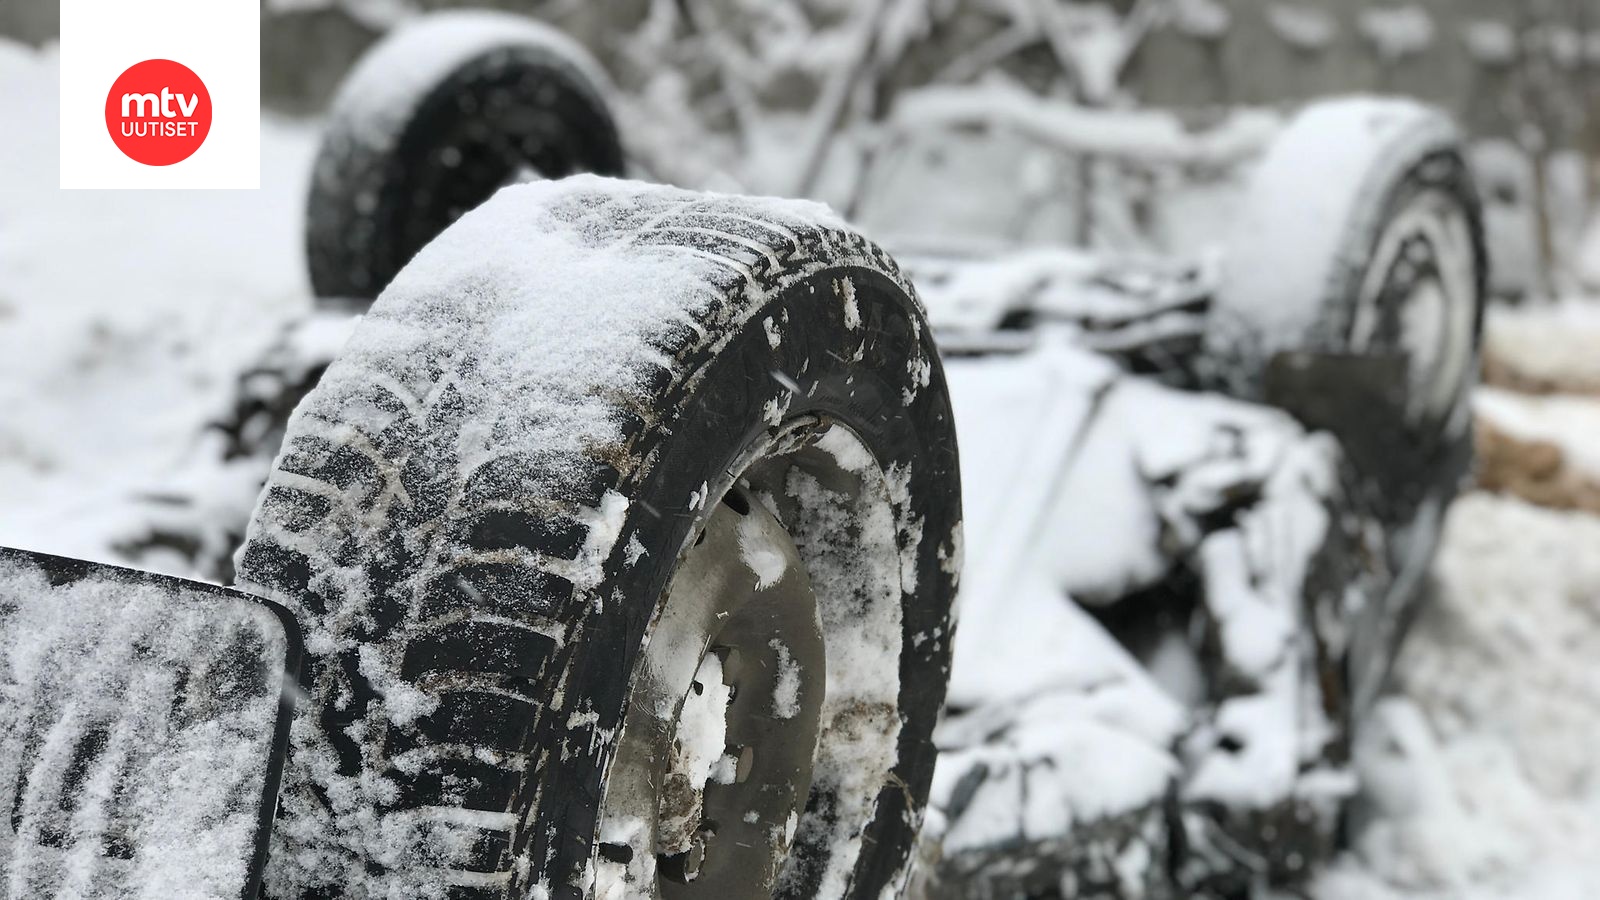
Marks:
<point>728,717</point>
<point>724,832</point>
<point>1419,300</point>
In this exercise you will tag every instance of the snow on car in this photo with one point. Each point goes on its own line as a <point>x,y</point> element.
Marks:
<point>625,524</point>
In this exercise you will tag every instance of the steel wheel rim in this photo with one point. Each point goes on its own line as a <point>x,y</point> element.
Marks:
<point>1418,300</point>
<point>632,828</point>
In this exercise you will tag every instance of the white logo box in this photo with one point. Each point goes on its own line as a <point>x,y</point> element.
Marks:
<point>219,39</point>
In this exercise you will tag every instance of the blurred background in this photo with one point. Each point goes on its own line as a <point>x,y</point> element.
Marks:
<point>1521,77</point>
<point>1121,127</point>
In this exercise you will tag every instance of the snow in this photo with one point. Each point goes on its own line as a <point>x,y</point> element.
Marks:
<point>124,317</point>
<point>1490,42</point>
<point>1092,515</point>
<point>1256,583</point>
<point>1397,31</point>
<point>1139,135</point>
<point>376,14</point>
<point>489,283</point>
<point>1060,760</point>
<point>1565,45</point>
<point>604,527</point>
<point>1545,348</point>
<point>1481,774</point>
<point>1302,25</point>
<point>1507,182</point>
<point>479,327</point>
<point>786,696</point>
<point>379,91</point>
<point>1207,19</point>
<point>760,555</point>
<point>1015,417</point>
<point>859,609</point>
<point>698,748</point>
<point>1571,424</point>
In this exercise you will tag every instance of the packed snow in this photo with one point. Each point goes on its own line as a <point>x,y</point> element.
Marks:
<point>123,318</point>
<point>1481,774</point>
<point>1570,423</point>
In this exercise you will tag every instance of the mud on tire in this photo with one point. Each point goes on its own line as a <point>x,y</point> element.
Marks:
<point>479,509</point>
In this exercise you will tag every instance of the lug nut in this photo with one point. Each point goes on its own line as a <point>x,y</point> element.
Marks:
<point>685,867</point>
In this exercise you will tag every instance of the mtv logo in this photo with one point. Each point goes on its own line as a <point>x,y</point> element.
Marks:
<point>160,94</point>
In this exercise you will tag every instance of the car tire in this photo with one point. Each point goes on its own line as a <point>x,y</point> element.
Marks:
<point>434,119</point>
<point>482,511</point>
<point>1353,297</point>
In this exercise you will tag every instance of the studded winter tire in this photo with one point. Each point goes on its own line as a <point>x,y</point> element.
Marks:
<point>625,532</point>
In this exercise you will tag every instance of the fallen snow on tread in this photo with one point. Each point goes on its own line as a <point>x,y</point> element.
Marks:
<point>491,303</point>
<point>605,526</point>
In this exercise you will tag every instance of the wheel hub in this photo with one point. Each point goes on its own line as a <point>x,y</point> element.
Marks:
<point>732,752</point>
<point>1418,301</point>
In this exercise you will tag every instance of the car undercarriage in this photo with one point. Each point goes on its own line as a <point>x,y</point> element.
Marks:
<point>649,542</point>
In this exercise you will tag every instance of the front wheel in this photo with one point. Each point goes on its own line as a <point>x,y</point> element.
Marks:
<point>626,530</point>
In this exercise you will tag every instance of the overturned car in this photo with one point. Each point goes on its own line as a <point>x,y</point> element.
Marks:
<point>609,539</point>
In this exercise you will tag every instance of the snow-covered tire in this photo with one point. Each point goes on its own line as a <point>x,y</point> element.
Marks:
<point>440,114</point>
<point>481,510</point>
<point>1360,210</point>
<point>1353,296</point>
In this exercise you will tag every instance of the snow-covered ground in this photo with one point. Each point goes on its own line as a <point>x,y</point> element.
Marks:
<point>123,317</point>
<point>123,314</point>
<point>1547,348</point>
<point>1486,779</point>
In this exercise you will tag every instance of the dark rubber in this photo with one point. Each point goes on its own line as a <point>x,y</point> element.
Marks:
<point>376,199</point>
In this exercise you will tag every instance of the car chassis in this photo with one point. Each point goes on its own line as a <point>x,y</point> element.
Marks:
<point>1194,528</point>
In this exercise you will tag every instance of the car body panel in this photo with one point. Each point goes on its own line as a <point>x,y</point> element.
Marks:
<point>143,727</point>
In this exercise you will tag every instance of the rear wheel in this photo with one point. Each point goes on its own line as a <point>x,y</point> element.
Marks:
<point>443,112</point>
<point>625,530</point>
<point>1361,233</point>
<point>1353,298</point>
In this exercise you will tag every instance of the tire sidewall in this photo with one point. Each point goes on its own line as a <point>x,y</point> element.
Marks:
<point>362,220</point>
<point>714,427</point>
